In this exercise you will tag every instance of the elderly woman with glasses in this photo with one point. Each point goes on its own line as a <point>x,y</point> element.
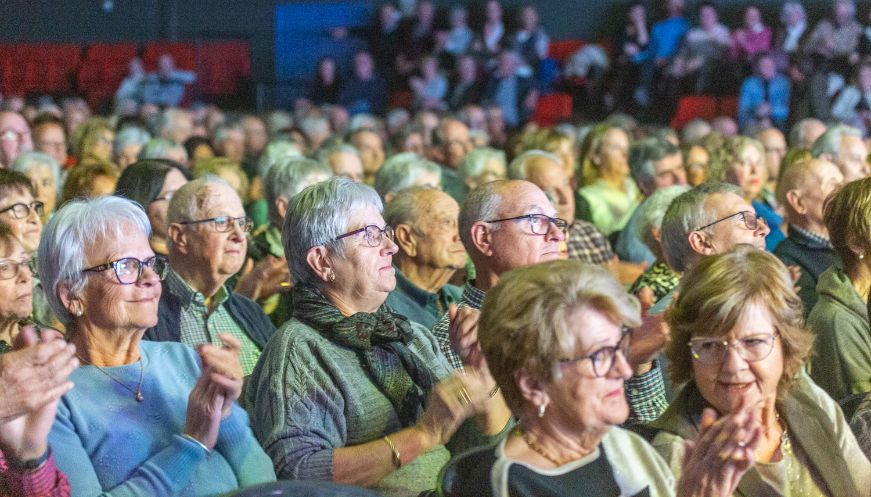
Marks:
<point>737,341</point>
<point>145,418</point>
<point>347,390</point>
<point>44,173</point>
<point>555,337</point>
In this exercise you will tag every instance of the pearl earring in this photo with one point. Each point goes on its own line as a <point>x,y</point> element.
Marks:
<point>541,409</point>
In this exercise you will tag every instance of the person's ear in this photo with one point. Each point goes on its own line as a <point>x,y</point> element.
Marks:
<point>178,237</point>
<point>281,207</point>
<point>532,390</point>
<point>700,243</point>
<point>406,240</point>
<point>71,303</point>
<point>482,238</point>
<point>796,202</point>
<point>318,259</point>
<point>656,233</point>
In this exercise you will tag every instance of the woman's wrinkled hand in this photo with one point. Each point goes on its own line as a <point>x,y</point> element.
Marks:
<point>724,451</point>
<point>451,402</point>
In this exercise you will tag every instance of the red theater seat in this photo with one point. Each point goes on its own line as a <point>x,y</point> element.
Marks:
<point>552,108</point>
<point>694,106</point>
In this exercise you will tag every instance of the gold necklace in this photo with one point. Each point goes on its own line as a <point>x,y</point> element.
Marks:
<point>539,449</point>
<point>137,394</point>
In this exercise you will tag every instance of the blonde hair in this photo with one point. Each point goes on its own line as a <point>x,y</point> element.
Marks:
<point>588,171</point>
<point>725,156</point>
<point>716,292</point>
<point>847,213</point>
<point>524,324</point>
<point>216,165</point>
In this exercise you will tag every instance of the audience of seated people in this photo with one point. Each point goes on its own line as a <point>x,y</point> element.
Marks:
<point>195,300</point>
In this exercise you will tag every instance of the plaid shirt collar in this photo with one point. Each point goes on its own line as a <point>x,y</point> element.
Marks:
<point>472,296</point>
<point>188,296</point>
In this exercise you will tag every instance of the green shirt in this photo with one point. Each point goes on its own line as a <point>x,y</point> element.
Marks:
<point>419,305</point>
<point>198,325</point>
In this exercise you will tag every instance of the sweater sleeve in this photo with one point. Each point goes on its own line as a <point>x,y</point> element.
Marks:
<point>45,481</point>
<point>165,473</point>
<point>298,413</point>
<point>237,444</point>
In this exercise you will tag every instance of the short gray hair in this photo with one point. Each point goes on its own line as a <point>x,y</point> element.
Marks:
<point>475,161</point>
<point>695,131</point>
<point>131,135</point>
<point>325,153</point>
<point>789,6</point>
<point>316,216</point>
<point>405,207</point>
<point>517,168</point>
<point>829,143</point>
<point>401,171</point>
<point>28,160</point>
<point>799,130</point>
<point>73,230</point>
<point>187,203</point>
<point>684,215</point>
<point>274,152</point>
<point>481,204</point>
<point>644,155</point>
<point>159,148</point>
<point>652,210</point>
<point>289,177</point>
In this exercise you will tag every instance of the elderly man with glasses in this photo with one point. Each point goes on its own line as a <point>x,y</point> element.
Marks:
<point>207,245</point>
<point>503,225</point>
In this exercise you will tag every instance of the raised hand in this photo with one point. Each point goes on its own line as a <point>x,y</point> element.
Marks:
<point>723,452</point>
<point>463,333</point>
<point>46,361</point>
<point>223,369</point>
<point>452,401</point>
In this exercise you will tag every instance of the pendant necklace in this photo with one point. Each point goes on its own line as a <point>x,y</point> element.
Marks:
<point>137,394</point>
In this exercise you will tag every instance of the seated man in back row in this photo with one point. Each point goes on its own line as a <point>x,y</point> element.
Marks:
<point>430,252</point>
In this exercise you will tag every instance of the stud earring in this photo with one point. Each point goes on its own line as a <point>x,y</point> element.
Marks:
<point>541,409</point>
<point>332,276</point>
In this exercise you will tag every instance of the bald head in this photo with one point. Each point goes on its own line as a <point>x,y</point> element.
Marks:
<point>803,189</point>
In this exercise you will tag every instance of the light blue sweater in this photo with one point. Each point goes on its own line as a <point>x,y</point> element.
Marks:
<point>109,444</point>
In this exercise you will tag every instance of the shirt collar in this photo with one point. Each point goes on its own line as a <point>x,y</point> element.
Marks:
<point>807,238</point>
<point>417,293</point>
<point>472,296</point>
<point>188,296</point>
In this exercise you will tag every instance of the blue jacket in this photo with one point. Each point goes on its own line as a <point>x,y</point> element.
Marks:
<point>665,38</point>
<point>753,95</point>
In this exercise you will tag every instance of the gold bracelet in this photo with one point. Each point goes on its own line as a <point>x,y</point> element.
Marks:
<point>397,460</point>
<point>493,392</point>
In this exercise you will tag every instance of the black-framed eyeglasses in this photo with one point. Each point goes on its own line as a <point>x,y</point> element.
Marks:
<point>751,220</point>
<point>22,210</point>
<point>603,359</point>
<point>10,268</point>
<point>751,348</point>
<point>372,234</point>
<point>129,269</point>
<point>539,223</point>
<point>224,224</point>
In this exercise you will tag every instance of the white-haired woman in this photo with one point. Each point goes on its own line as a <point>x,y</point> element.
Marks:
<point>555,337</point>
<point>145,418</point>
<point>347,390</point>
<point>44,172</point>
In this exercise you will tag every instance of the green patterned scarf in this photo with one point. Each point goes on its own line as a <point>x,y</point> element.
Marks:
<point>380,340</point>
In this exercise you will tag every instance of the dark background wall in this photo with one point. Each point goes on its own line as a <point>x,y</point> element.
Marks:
<point>85,21</point>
